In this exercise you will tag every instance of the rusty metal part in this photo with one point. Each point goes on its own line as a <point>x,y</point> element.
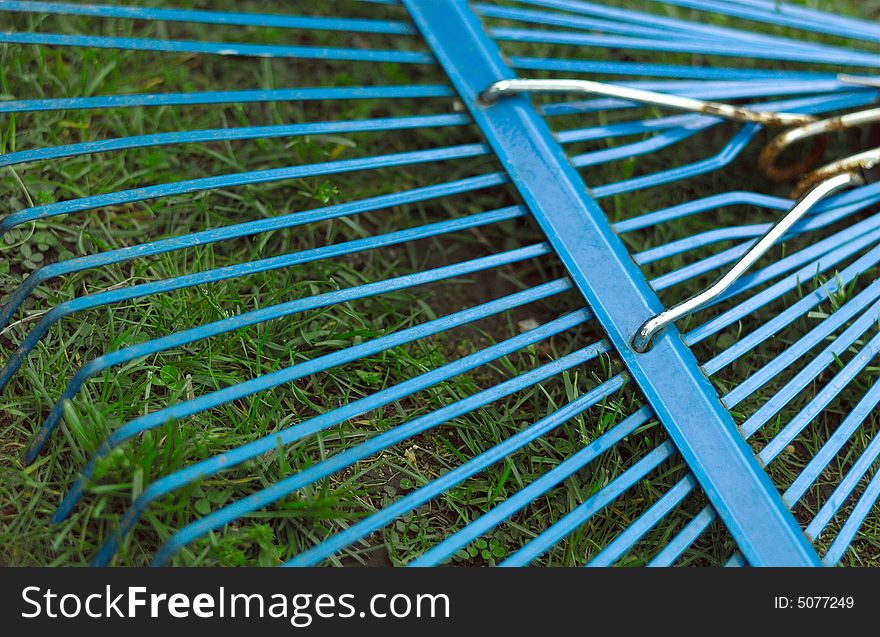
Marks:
<point>768,159</point>
<point>858,164</point>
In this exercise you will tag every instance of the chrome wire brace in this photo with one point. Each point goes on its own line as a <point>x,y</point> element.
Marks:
<point>813,187</point>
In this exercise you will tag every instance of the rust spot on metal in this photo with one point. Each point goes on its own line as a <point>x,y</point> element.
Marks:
<point>767,159</point>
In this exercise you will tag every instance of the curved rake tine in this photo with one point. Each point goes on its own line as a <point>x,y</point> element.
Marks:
<point>789,15</point>
<point>268,381</point>
<point>227,97</point>
<point>219,48</point>
<point>679,71</point>
<point>249,228</point>
<point>274,20</point>
<point>688,27</point>
<point>382,441</point>
<point>594,504</point>
<point>290,434</point>
<point>237,179</point>
<point>720,48</point>
<point>208,183</point>
<point>464,471</point>
<point>271,263</point>
<point>232,134</point>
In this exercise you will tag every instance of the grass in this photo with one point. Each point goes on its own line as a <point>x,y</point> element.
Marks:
<point>29,495</point>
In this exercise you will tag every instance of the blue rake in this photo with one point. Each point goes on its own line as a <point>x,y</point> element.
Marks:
<point>605,435</point>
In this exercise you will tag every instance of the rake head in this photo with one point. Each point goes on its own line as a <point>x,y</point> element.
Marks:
<point>296,289</point>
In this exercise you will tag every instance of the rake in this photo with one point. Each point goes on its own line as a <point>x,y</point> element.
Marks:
<point>655,365</point>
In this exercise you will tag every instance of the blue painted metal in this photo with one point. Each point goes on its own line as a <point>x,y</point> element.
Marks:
<point>217,48</point>
<point>456,476</point>
<point>589,507</point>
<point>610,278</point>
<point>275,20</point>
<point>684,45</point>
<point>230,134</point>
<point>785,14</point>
<point>271,263</point>
<point>225,97</point>
<point>599,265</point>
<point>280,489</point>
<point>231,181</point>
<point>492,518</point>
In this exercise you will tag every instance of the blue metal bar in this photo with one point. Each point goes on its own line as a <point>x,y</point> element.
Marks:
<point>714,202</point>
<point>522,498</point>
<point>47,273</point>
<point>231,134</point>
<point>382,441</point>
<point>288,435</point>
<point>808,374</point>
<point>218,48</point>
<point>652,144</point>
<point>833,445</point>
<point>647,521</point>
<point>219,274</point>
<point>633,29</point>
<point>235,180</point>
<point>456,476</point>
<point>859,468</point>
<point>567,20</point>
<point>629,15</point>
<point>683,398</point>
<point>228,394</point>
<point>736,561</point>
<point>718,47</point>
<point>825,395</point>
<point>274,20</point>
<point>848,533</point>
<point>621,129</point>
<point>227,97</point>
<point>637,69</point>
<point>590,507</point>
<point>773,326</point>
<point>120,255</point>
<point>733,148</point>
<point>789,15</point>
<point>674,549</point>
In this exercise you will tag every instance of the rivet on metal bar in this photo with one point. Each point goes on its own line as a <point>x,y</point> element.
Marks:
<point>641,342</point>
<point>726,111</point>
<point>768,160</point>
